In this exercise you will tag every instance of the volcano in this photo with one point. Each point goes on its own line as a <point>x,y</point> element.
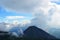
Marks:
<point>35,33</point>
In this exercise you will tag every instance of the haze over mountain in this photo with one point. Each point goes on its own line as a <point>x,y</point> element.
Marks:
<point>16,29</point>
<point>55,32</point>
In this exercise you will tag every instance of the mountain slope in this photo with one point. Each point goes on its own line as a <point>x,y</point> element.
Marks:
<point>35,33</point>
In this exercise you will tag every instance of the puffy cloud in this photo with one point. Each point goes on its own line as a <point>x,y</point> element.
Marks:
<point>54,17</point>
<point>40,20</point>
<point>41,9</point>
<point>15,22</point>
<point>25,22</point>
<point>34,6</point>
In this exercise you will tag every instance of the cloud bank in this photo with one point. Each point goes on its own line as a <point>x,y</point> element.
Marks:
<point>55,11</point>
<point>23,5</point>
<point>45,12</point>
<point>33,6</point>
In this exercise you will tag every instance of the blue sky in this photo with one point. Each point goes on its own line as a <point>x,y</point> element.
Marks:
<point>4,14</point>
<point>56,1</point>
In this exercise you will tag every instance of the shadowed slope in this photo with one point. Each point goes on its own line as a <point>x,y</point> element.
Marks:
<point>35,33</point>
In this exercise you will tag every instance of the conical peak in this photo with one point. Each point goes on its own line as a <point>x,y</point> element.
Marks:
<point>32,27</point>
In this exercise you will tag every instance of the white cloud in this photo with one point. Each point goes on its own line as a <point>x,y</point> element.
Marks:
<point>15,22</point>
<point>39,8</point>
<point>14,17</point>
<point>40,20</point>
<point>55,17</point>
<point>24,22</point>
<point>26,5</point>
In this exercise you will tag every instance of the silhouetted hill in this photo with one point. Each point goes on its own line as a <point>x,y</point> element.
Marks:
<point>3,32</point>
<point>36,33</point>
<point>7,36</point>
<point>4,35</point>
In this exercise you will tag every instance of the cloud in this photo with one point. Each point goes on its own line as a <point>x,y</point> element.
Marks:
<point>34,6</point>
<point>5,26</point>
<point>24,22</point>
<point>40,20</point>
<point>46,18</point>
<point>55,18</point>
<point>45,12</point>
<point>14,17</point>
<point>39,9</point>
<point>23,5</point>
<point>15,22</point>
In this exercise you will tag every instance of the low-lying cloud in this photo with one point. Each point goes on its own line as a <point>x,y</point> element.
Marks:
<point>14,17</point>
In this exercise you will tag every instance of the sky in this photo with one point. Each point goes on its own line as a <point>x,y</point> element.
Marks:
<point>40,13</point>
<point>10,16</point>
<point>44,14</point>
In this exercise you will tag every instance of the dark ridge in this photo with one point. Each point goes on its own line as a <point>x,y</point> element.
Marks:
<point>33,32</point>
<point>3,32</point>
